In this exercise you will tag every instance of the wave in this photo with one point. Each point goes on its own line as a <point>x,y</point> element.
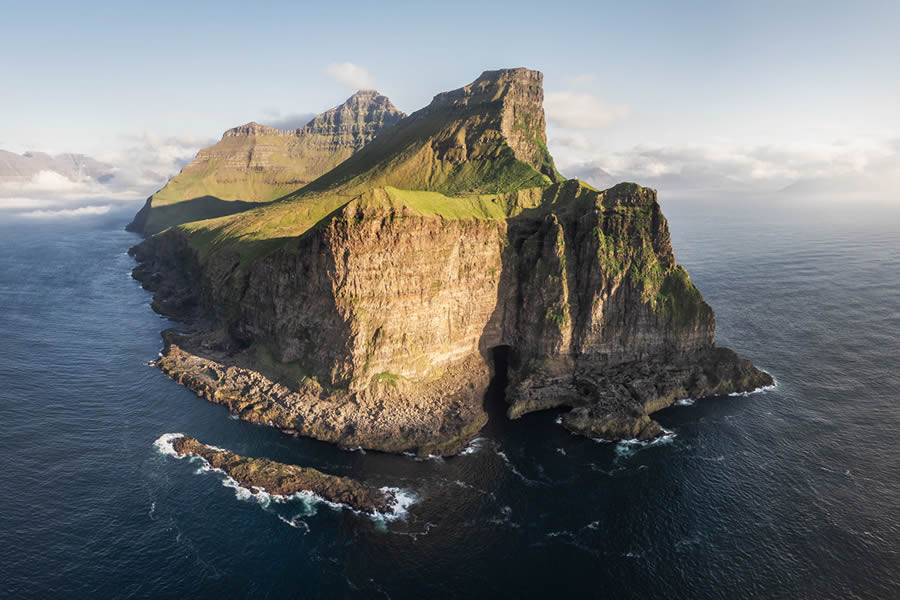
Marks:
<point>418,458</point>
<point>296,522</point>
<point>763,389</point>
<point>515,471</point>
<point>474,446</point>
<point>163,444</point>
<point>630,447</point>
<point>685,402</point>
<point>399,509</point>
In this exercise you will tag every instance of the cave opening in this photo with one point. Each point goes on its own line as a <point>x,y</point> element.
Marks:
<point>501,358</point>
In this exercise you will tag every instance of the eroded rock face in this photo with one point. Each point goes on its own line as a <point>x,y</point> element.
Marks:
<point>375,327</point>
<point>261,474</point>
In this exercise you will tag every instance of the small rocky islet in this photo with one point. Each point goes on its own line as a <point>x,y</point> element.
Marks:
<point>357,285</point>
<point>264,475</point>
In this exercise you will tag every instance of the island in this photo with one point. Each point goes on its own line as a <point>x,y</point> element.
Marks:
<point>361,279</point>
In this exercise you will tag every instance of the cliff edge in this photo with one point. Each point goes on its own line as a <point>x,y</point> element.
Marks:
<point>367,308</point>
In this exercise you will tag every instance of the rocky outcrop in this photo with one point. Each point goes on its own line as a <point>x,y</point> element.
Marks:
<point>255,164</point>
<point>261,474</point>
<point>375,324</point>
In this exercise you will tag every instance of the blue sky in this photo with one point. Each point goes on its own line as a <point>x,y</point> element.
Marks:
<point>689,94</point>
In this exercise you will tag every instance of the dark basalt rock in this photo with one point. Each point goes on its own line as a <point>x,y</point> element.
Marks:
<point>375,326</point>
<point>282,479</point>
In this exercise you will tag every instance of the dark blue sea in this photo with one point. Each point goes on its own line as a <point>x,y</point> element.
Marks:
<point>788,493</point>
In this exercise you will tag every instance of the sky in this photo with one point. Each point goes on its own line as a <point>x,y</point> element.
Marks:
<point>688,97</point>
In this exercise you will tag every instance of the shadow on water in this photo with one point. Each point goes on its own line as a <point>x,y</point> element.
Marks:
<point>495,398</point>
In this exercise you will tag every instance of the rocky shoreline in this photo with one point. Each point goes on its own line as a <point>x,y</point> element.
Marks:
<point>367,308</point>
<point>437,422</point>
<point>264,475</point>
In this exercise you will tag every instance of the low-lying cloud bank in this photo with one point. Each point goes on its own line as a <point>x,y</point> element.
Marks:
<point>39,186</point>
<point>849,170</point>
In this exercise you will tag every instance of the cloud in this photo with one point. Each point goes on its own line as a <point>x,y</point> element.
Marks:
<point>577,110</point>
<point>351,75</point>
<point>288,121</point>
<point>148,160</point>
<point>67,212</point>
<point>142,164</point>
<point>863,167</point>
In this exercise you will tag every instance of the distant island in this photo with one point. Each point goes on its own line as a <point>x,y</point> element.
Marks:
<point>24,167</point>
<point>359,279</point>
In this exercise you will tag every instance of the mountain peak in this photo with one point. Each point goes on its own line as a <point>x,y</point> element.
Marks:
<point>361,115</point>
<point>486,137</point>
<point>253,129</point>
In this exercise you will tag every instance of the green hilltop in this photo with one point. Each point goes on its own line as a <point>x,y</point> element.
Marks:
<point>476,152</point>
<point>254,164</point>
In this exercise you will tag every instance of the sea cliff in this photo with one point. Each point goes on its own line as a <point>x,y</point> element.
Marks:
<point>366,308</point>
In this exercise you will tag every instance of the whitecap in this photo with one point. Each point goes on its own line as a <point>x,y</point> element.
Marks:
<point>632,446</point>
<point>514,470</point>
<point>561,451</point>
<point>163,444</point>
<point>474,446</point>
<point>403,499</point>
<point>297,523</point>
<point>685,402</point>
<point>763,389</point>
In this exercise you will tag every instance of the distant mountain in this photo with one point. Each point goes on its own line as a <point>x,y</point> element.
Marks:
<point>76,167</point>
<point>254,163</point>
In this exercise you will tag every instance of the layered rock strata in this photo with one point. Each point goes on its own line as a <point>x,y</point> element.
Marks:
<point>255,164</point>
<point>375,323</point>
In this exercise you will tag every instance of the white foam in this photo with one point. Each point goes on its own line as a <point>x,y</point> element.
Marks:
<point>561,451</point>
<point>763,389</point>
<point>630,447</point>
<point>297,523</point>
<point>474,446</point>
<point>418,458</point>
<point>514,470</point>
<point>685,402</point>
<point>558,420</point>
<point>163,444</point>
<point>403,499</point>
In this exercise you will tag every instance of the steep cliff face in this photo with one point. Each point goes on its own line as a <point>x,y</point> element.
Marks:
<point>368,316</point>
<point>254,164</point>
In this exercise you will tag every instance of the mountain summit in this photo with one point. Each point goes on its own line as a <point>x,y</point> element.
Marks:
<point>254,163</point>
<point>486,137</point>
<point>370,307</point>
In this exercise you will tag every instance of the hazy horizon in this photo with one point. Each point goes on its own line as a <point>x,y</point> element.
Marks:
<point>701,100</point>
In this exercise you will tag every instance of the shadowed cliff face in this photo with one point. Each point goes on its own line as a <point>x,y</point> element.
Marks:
<point>388,309</point>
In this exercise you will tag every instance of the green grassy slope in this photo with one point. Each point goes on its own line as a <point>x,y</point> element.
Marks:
<point>254,164</point>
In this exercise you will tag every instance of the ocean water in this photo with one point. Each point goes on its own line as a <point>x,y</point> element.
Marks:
<point>793,492</point>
